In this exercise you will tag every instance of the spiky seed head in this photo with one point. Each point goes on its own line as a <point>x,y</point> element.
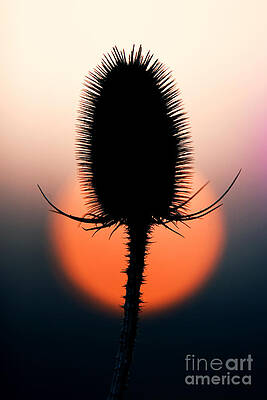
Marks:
<point>133,144</point>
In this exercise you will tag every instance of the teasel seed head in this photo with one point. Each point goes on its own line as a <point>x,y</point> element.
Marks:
<point>133,147</point>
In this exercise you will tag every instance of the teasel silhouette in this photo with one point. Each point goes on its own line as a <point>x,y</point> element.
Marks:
<point>134,156</point>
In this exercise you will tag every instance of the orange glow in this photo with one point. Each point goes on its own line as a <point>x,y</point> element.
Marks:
<point>176,267</point>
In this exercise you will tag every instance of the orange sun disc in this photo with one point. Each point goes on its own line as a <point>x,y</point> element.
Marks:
<point>176,267</point>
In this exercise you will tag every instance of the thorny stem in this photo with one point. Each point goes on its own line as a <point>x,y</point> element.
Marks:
<point>137,246</point>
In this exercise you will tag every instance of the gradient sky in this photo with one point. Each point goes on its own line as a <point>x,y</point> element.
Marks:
<point>52,341</point>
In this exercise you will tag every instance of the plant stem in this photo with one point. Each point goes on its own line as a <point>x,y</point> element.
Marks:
<point>137,246</point>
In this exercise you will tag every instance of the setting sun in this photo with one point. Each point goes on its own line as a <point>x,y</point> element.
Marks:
<point>176,267</point>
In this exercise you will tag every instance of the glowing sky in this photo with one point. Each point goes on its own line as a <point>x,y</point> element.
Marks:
<point>216,50</point>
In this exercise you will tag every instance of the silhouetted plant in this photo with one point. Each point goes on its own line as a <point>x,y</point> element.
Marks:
<point>134,154</point>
